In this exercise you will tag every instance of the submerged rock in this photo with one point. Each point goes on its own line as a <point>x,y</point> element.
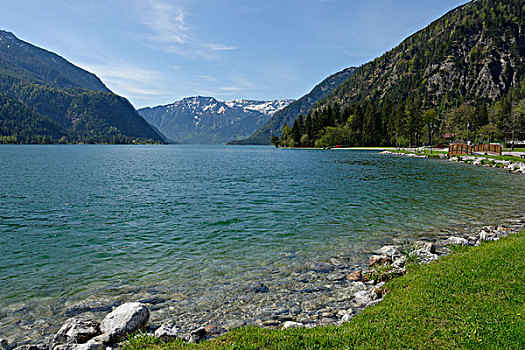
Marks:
<point>233,324</point>
<point>90,345</point>
<point>127,318</point>
<point>336,277</point>
<point>256,288</point>
<point>90,305</point>
<point>355,276</point>
<point>33,347</point>
<point>4,345</point>
<point>318,267</point>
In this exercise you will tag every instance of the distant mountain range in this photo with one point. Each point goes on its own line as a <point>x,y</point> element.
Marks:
<point>274,127</point>
<point>205,120</point>
<point>46,99</point>
<point>465,68</point>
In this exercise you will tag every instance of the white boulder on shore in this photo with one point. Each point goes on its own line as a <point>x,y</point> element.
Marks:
<point>167,332</point>
<point>126,318</point>
<point>456,241</point>
<point>291,324</point>
<point>76,331</point>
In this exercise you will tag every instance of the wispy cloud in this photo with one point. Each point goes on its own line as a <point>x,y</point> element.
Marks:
<point>166,21</point>
<point>231,86</point>
<point>128,80</point>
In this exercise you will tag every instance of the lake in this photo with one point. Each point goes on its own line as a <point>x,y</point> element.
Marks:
<point>194,229</point>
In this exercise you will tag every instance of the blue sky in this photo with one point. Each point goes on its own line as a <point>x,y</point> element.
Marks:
<point>159,51</point>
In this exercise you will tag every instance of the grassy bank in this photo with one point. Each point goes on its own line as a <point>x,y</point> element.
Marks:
<point>428,153</point>
<point>436,154</point>
<point>471,299</point>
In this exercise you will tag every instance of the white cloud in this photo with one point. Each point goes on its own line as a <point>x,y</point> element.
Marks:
<point>166,21</point>
<point>232,88</point>
<point>128,80</point>
<point>207,78</point>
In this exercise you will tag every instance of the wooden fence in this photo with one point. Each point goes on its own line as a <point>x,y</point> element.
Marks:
<point>461,148</point>
<point>488,149</point>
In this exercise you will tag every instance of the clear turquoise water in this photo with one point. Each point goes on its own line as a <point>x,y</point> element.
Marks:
<point>82,222</point>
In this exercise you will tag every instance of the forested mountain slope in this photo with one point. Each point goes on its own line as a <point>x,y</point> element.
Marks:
<point>75,105</point>
<point>465,68</point>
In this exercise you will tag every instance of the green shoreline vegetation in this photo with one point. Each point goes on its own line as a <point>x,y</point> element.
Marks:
<point>436,154</point>
<point>473,298</point>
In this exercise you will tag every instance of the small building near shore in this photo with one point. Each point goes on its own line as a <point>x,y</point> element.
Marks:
<point>449,136</point>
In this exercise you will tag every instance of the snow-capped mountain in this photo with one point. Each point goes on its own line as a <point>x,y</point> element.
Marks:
<point>206,120</point>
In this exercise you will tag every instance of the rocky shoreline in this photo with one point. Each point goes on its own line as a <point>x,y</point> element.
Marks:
<point>359,288</point>
<point>513,167</point>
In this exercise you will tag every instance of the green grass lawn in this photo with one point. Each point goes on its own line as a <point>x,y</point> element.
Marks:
<point>471,299</point>
<point>435,154</point>
<point>508,158</point>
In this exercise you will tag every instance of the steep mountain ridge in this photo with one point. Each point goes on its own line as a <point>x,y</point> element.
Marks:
<point>42,66</point>
<point>465,68</point>
<point>475,51</point>
<point>205,120</point>
<point>289,114</point>
<point>74,100</point>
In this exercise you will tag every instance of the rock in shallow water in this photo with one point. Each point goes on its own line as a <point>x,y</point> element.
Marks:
<point>355,276</point>
<point>256,288</point>
<point>379,260</point>
<point>90,345</point>
<point>75,331</point>
<point>4,345</point>
<point>456,241</point>
<point>363,297</point>
<point>234,324</point>
<point>198,335</point>
<point>389,250</point>
<point>421,245</point>
<point>33,347</point>
<point>213,330</point>
<point>167,332</point>
<point>127,318</point>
